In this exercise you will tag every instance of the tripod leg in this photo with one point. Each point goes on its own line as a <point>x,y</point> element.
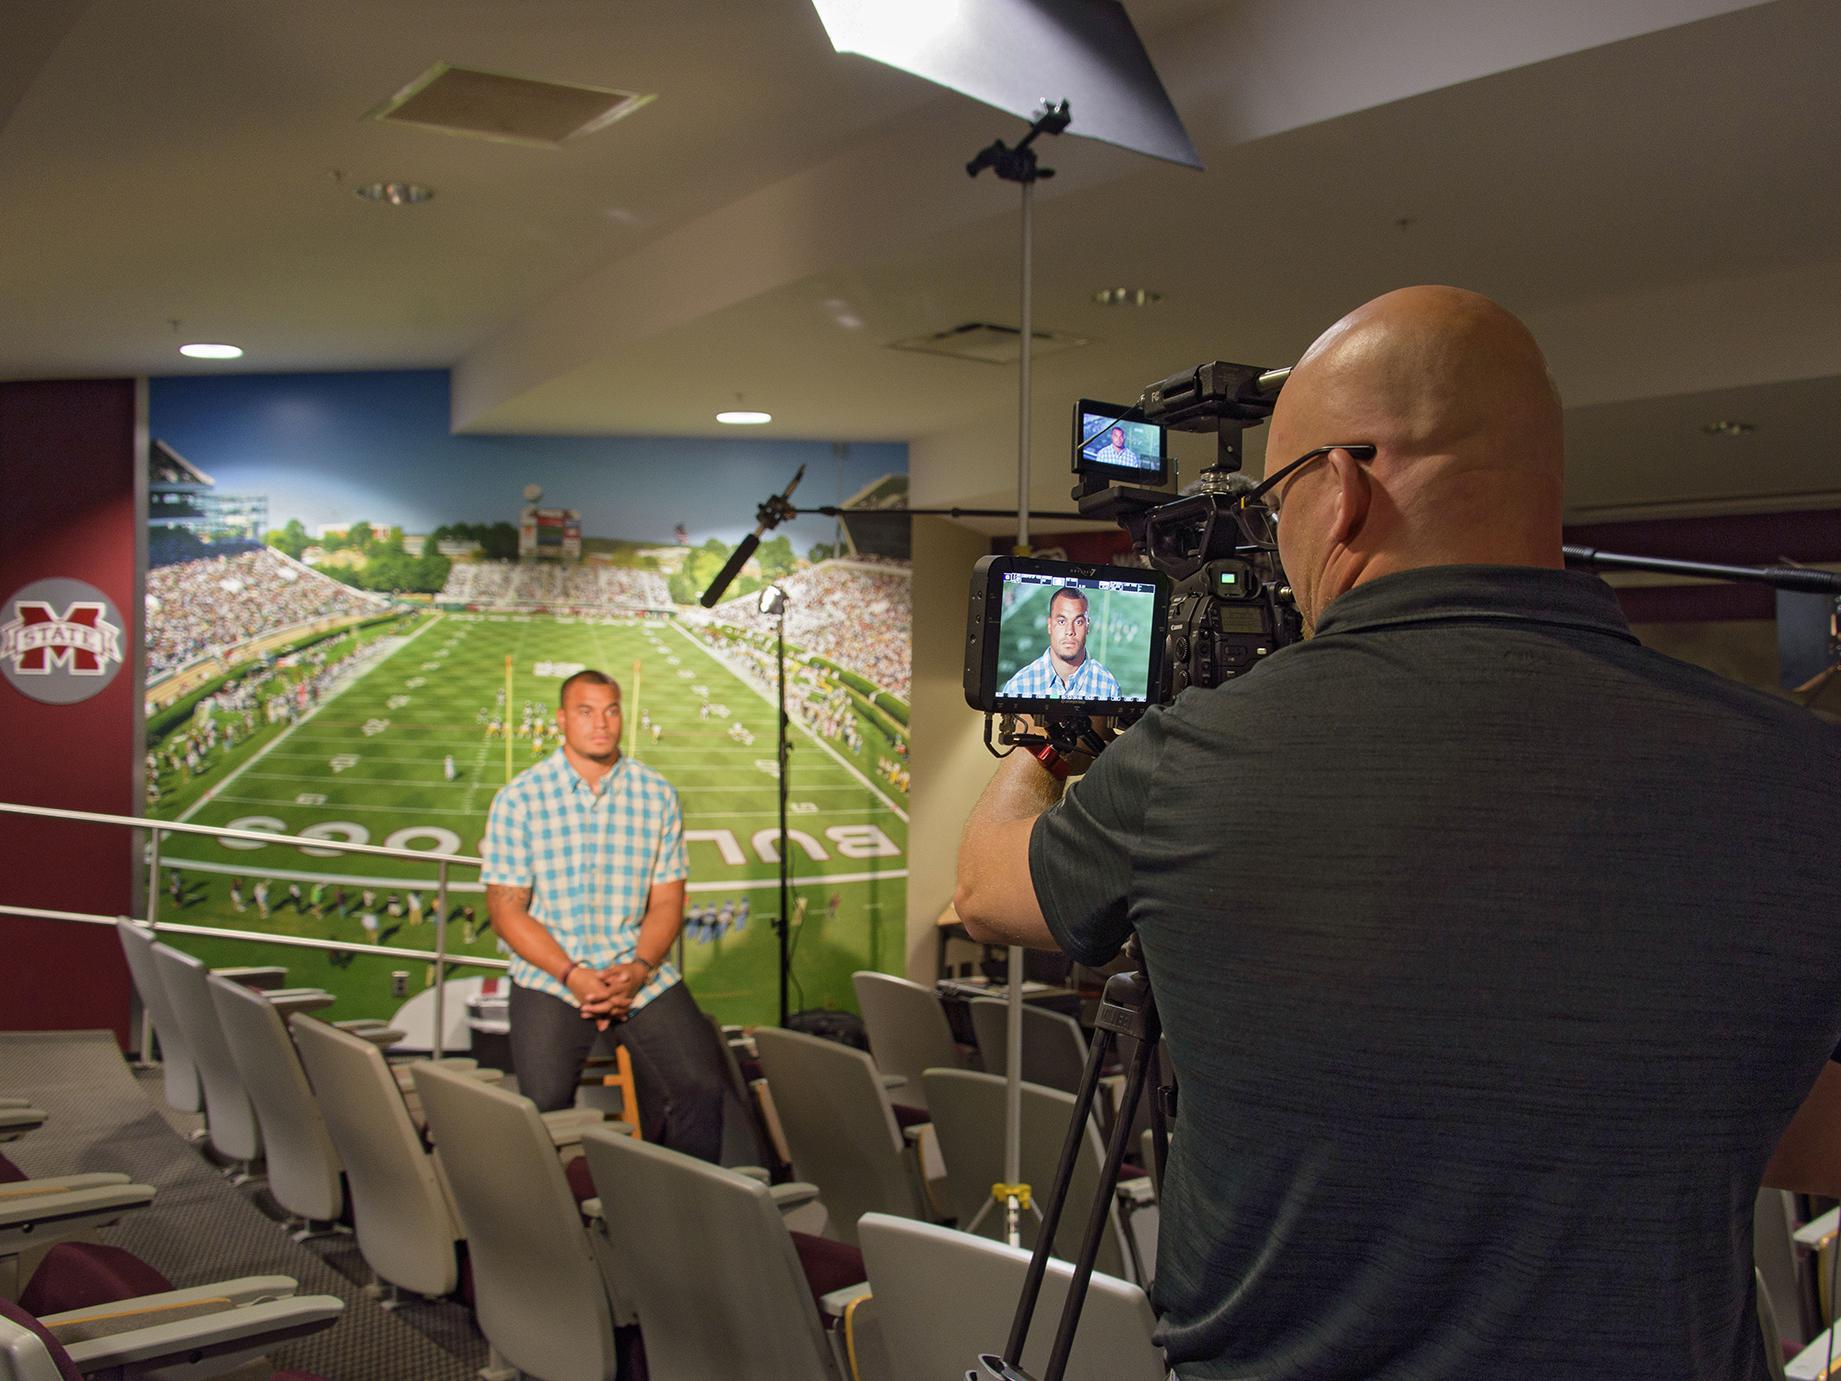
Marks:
<point>1102,1207</point>
<point>1051,1214</point>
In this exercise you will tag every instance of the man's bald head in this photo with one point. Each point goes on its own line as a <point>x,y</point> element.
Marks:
<point>1455,396</point>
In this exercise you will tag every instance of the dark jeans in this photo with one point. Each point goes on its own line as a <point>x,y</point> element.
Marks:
<point>676,1064</point>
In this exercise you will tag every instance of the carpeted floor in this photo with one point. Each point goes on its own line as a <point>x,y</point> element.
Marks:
<point>201,1227</point>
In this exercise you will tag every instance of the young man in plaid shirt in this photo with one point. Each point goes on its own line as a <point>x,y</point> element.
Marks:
<point>584,873</point>
<point>1065,671</point>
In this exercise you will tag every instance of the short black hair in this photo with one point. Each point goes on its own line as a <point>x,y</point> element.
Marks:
<point>1068,592</point>
<point>589,677</point>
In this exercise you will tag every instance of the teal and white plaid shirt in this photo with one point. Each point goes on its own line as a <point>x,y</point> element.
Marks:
<point>590,861</point>
<point>1040,680</point>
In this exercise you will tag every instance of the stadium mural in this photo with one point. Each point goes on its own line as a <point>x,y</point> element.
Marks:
<point>358,624</point>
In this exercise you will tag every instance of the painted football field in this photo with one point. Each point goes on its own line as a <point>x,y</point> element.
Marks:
<point>367,766</point>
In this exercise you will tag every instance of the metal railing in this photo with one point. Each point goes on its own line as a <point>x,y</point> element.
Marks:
<point>156,829</point>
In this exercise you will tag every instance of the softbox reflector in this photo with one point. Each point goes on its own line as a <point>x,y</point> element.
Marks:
<point>1017,54</point>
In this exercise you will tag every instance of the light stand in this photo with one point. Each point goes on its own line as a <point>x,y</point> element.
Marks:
<point>1019,165</point>
<point>773,601</point>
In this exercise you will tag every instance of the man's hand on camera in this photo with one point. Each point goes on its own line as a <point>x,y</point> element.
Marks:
<point>1103,728</point>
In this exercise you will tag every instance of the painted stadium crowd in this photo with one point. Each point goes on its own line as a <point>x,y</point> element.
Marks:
<point>583,588</point>
<point>813,698</point>
<point>199,607</point>
<point>270,693</point>
<point>858,616</point>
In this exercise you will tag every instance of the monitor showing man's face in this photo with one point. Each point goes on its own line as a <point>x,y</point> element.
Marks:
<point>1067,627</point>
<point>1118,437</point>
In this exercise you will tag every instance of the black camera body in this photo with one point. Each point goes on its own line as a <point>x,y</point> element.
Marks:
<point>1224,603</point>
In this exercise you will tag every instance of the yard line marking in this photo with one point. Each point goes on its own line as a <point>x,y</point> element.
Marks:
<point>280,738</point>
<point>347,805</point>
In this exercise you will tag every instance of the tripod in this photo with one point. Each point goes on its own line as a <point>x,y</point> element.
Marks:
<point>1129,1009</point>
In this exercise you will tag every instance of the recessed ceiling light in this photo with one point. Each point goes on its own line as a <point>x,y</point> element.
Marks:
<point>1126,297</point>
<point>205,351</point>
<point>396,193</point>
<point>741,417</point>
<point>1724,428</point>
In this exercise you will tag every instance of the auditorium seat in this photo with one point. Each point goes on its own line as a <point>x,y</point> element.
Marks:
<point>401,1214</point>
<point>36,1213</point>
<point>540,1294</point>
<point>183,1090</point>
<point>230,1119</point>
<point>840,1129</point>
<point>968,1117</point>
<point>304,1172</point>
<point>1054,1046</point>
<point>943,1298</point>
<point>714,1273</point>
<point>203,1331</point>
<point>908,1030</point>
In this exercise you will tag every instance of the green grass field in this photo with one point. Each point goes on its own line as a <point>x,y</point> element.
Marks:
<point>366,766</point>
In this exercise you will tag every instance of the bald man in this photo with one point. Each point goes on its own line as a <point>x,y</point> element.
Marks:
<point>1490,1017</point>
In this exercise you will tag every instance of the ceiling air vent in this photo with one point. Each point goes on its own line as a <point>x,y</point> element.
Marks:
<point>511,110</point>
<point>988,343</point>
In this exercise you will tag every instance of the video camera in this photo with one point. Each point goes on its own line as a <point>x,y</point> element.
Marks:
<point>1209,602</point>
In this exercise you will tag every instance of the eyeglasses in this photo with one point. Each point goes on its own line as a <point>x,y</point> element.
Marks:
<point>1259,522</point>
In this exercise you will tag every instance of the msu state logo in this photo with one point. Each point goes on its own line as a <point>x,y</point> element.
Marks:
<point>60,641</point>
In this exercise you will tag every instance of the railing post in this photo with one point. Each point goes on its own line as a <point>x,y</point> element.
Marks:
<point>440,956</point>
<point>153,916</point>
<point>153,879</point>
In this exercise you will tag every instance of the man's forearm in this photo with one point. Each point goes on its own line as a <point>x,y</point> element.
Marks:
<point>509,910</point>
<point>995,898</point>
<point>1020,789</point>
<point>659,927</point>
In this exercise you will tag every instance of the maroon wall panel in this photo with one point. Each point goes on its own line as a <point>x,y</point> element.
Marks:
<point>68,454</point>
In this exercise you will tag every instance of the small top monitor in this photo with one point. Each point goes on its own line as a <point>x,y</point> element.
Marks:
<point>1113,441</point>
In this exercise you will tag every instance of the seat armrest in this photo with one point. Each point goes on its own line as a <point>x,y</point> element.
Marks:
<point>262,977</point>
<point>833,1305</point>
<point>1811,1364</point>
<point>234,1293</point>
<point>288,1001</point>
<point>1817,1232</point>
<point>15,1103</point>
<point>917,1133</point>
<point>59,1184</point>
<point>894,1081</point>
<point>753,1172</point>
<point>18,1118</point>
<point>39,1219</point>
<point>1135,1194</point>
<point>566,1125</point>
<point>791,1195</point>
<point>236,1331</point>
<point>591,1208</point>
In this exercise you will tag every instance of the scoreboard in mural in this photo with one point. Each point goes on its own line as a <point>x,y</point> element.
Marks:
<point>302,684</point>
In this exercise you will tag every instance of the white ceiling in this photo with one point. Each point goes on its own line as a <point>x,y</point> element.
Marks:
<point>1651,183</point>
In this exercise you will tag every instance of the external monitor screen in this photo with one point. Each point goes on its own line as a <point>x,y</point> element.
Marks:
<point>1108,442</point>
<point>1063,638</point>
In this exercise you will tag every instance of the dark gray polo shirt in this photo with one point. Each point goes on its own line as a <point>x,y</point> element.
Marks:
<point>1495,953</point>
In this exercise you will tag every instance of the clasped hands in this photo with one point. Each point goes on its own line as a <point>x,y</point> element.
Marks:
<point>606,995</point>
